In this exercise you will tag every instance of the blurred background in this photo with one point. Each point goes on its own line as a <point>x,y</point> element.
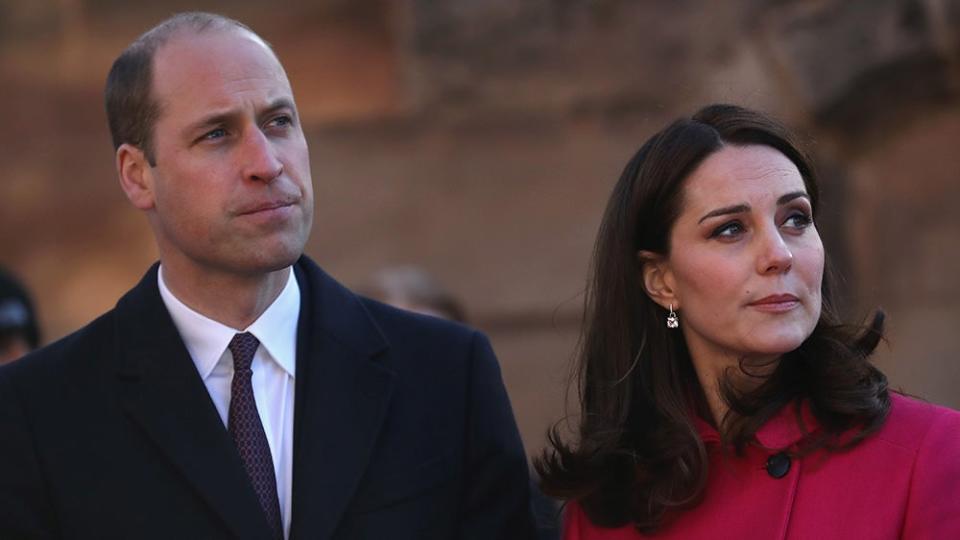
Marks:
<point>479,140</point>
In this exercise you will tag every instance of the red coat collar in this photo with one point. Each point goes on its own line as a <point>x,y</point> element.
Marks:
<point>783,430</point>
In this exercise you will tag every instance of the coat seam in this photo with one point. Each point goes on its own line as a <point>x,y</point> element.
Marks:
<point>791,500</point>
<point>913,470</point>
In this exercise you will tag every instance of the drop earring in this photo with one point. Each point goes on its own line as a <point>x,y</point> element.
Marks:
<point>672,320</point>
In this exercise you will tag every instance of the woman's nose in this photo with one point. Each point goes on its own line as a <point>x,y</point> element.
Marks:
<point>775,255</point>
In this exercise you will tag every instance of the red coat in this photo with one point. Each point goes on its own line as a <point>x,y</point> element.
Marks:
<point>901,482</point>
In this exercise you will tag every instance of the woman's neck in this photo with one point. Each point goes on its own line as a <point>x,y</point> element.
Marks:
<point>713,369</point>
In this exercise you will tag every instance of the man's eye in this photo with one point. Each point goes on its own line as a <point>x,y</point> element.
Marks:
<point>215,134</point>
<point>281,121</point>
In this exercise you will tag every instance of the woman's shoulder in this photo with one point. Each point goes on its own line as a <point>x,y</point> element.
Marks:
<point>930,434</point>
<point>913,423</point>
<point>577,526</point>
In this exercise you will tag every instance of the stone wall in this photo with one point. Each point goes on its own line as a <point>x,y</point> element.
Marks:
<point>480,140</point>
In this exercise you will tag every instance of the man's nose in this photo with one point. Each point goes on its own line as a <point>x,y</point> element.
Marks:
<point>775,255</point>
<point>260,159</point>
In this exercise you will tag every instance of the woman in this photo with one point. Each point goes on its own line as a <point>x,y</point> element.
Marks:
<point>721,395</point>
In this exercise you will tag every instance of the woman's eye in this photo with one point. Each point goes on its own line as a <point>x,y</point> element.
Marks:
<point>728,230</point>
<point>798,220</point>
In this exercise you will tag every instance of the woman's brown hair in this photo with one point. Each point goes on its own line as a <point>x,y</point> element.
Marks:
<point>637,457</point>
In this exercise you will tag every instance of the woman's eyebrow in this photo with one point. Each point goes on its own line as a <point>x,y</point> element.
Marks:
<point>736,209</point>
<point>784,199</point>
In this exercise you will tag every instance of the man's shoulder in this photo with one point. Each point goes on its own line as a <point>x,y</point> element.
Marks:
<point>73,351</point>
<point>402,326</point>
<point>352,317</point>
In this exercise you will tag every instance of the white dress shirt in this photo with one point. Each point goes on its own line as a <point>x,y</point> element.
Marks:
<point>273,367</point>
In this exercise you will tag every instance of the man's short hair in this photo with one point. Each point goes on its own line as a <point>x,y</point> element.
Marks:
<point>132,110</point>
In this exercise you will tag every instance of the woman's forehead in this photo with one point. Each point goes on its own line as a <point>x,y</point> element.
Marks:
<point>741,174</point>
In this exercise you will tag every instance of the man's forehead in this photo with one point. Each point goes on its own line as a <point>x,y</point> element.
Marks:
<point>206,39</point>
<point>223,44</point>
<point>190,64</point>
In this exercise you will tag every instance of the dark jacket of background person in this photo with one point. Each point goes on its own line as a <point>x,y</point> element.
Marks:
<point>403,430</point>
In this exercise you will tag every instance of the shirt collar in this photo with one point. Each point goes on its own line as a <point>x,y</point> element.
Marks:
<point>207,339</point>
<point>276,328</point>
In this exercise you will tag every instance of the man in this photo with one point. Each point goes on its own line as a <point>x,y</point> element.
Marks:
<point>238,391</point>
<point>18,322</point>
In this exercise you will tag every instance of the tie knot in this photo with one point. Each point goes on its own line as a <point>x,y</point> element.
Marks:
<point>242,346</point>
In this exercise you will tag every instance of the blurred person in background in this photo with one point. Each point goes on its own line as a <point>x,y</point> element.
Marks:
<point>721,395</point>
<point>414,289</point>
<point>19,332</point>
<point>238,391</point>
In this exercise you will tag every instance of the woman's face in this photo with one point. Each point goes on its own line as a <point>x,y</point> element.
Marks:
<point>746,261</point>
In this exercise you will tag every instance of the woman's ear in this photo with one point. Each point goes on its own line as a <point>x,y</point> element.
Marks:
<point>136,176</point>
<point>658,279</point>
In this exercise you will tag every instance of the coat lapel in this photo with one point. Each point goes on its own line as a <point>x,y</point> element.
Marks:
<point>342,392</point>
<point>160,389</point>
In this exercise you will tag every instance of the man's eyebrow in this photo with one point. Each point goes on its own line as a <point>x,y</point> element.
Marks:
<point>280,103</point>
<point>217,118</point>
<point>224,117</point>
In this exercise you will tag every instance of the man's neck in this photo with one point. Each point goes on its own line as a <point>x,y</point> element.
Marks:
<point>233,300</point>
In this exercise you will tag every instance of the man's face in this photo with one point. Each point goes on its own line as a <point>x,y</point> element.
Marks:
<point>12,347</point>
<point>231,190</point>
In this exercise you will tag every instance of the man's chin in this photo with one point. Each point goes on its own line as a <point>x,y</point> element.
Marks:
<point>268,259</point>
<point>276,262</point>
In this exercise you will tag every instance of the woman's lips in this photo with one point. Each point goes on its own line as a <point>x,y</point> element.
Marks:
<point>776,303</point>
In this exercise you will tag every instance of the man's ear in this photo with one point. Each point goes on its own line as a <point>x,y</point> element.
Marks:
<point>136,176</point>
<point>658,279</point>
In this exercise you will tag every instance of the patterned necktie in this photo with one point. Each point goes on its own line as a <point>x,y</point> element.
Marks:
<point>243,423</point>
